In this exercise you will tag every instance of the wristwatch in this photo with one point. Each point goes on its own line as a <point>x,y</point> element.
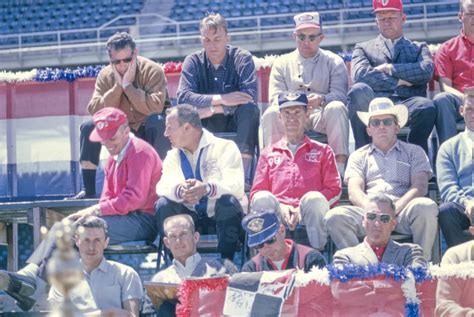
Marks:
<point>323,102</point>
<point>208,189</point>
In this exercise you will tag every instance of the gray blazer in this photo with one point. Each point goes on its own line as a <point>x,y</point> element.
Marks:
<point>402,254</point>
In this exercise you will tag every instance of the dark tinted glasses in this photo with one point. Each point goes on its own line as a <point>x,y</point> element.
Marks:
<point>386,122</point>
<point>125,60</point>
<point>269,242</point>
<point>384,218</point>
<point>311,38</point>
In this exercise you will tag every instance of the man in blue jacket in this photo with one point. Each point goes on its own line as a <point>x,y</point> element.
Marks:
<point>392,66</point>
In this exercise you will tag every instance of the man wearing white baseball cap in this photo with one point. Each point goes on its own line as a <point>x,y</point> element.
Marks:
<point>391,167</point>
<point>395,67</point>
<point>319,74</point>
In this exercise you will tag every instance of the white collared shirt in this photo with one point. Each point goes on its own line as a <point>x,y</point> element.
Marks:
<point>176,272</point>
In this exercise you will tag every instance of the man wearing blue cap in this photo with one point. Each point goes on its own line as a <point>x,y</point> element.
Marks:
<point>266,233</point>
<point>297,177</point>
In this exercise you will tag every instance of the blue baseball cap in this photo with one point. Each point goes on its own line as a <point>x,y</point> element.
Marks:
<point>291,99</point>
<point>260,226</point>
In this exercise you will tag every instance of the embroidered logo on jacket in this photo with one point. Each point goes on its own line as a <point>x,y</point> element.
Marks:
<point>313,156</point>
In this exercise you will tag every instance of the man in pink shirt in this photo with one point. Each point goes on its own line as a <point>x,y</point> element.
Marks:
<point>455,68</point>
<point>126,204</point>
<point>297,176</point>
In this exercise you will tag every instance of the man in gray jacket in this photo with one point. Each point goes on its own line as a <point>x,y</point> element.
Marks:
<point>319,74</point>
<point>377,247</point>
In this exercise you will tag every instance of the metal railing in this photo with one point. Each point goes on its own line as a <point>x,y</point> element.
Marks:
<point>158,31</point>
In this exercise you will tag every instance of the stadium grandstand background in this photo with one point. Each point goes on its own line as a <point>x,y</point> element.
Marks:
<point>45,33</point>
<point>62,33</point>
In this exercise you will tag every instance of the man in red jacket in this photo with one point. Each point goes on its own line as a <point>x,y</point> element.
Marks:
<point>297,176</point>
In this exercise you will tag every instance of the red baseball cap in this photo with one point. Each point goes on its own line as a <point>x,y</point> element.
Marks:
<point>107,121</point>
<point>384,5</point>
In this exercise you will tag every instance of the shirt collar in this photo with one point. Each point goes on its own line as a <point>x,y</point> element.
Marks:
<point>283,144</point>
<point>388,40</point>
<point>224,61</point>
<point>373,148</point>
<point>119,157</point>
<point>468,134</point>
<point>464,37</point>
<point>192,261</point>
<point>314,59</point>
<point>203,142</point>
<point>103,266</point>
<point>378,250</point>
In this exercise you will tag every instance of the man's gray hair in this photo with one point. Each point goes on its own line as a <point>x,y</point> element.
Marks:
<point>187,218</point>
<point>186,114</point>
<point>119,41</point>
<point>462,3</point>
<point>213,21</point>
<point>94,222</point>
<point>382,198</point>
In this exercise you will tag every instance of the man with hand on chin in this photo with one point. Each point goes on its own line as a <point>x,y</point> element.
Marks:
<point>135,85</point>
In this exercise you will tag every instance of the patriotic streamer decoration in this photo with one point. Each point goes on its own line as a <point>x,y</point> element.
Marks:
<point>68,74</point>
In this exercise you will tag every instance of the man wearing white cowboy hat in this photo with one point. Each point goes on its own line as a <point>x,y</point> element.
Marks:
<point>395,67</point>
<point>391,167</point>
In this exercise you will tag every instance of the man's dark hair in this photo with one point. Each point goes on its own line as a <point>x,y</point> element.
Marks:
<point>94,222</point>
<point>119,41</point>
<point>382,198</point>
<point>185,217</point>
<point>187,114</point>
<point>213,21</point>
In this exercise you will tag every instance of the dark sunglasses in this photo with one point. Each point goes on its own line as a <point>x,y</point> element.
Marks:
<point>386,122</point>
<point>384,218</point>
<point>311,38</point>
<point>125,60</point>
<point>269,242</point>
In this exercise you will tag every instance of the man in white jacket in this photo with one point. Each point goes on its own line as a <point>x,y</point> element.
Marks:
<point>203,176</point>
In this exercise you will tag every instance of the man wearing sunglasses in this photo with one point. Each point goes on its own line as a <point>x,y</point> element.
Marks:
<point>135,85</point>
<point>392,66</point>
<point>378,222</point>
<point>322,76</point>
<point>266,233</point>
<point>386,166</point>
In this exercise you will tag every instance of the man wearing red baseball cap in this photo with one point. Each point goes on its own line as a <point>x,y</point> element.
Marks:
<point>131,174</point>
<point>395,67</point>
<point>126,204</point>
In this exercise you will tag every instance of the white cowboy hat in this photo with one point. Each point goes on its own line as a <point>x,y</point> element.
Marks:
<point>381,106</point>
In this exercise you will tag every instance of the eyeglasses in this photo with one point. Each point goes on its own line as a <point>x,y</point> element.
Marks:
<point>383,218</point>
<point>269,242</point>
<point>181,236</point>
<point>386,122</point>
<point>125,60</point>
<point>311,38</point>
